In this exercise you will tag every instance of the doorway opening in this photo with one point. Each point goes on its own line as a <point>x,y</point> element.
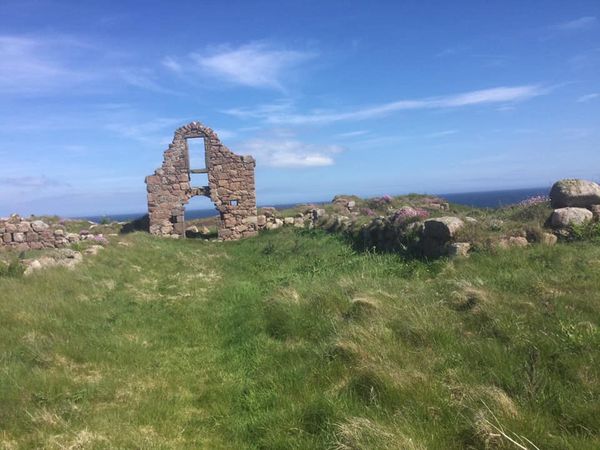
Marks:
<point>201,218</point>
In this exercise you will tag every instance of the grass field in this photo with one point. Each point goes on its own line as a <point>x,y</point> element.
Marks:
<point>293,340</point>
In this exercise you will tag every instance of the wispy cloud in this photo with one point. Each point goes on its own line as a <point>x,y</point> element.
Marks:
<point>57,64</point>
<point>588,97</point>
<point>582,23</point>
<point>452,51</point>
<point>402,138</point>
<point>472,98</point>
<point>30,64</point>
<point>265,110</point>
<point>31,182</point>
<point>469,53</point>
<point>588,59</point>
<point>257,65</point>
<point>577,133</point>
<point>154,131</point>
<point>286,151</point>
<point>439,134</point>
<point>171,64</point>
<point>144,79</point>
<point>352,134</point>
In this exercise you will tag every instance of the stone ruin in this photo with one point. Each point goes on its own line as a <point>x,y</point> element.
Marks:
<point>230,187</point>
<point>21,234</point>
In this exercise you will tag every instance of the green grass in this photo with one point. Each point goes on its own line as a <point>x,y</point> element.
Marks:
<point>293,340</point>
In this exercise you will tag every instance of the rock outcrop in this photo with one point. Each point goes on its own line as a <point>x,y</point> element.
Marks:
<point>442,228</point>
<point>575,193</point>
<point>565,217</point>
<point>438,233</point>
<point>459,249</point>
<point>64,257</point>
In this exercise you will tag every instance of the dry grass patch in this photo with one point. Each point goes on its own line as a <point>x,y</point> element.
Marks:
<point>358,433</point>
<point>79,373</point>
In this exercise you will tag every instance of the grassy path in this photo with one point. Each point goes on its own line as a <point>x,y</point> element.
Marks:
<point>115,354</point>
<point>292,340</point>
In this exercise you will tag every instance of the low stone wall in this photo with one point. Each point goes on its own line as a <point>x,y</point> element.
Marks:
<point>21,234</point>
<point>430,238</point>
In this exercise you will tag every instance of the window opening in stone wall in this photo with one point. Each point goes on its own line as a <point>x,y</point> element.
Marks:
<point>233,202</point>
<point>197,161</point>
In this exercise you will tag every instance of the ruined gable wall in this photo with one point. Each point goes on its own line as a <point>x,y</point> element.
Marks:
<point>231,186</point>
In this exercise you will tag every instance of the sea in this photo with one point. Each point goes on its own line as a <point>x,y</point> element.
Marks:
<point>484,199</point>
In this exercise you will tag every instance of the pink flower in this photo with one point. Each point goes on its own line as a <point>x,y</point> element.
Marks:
<point>409,214</point>
<point>100,239</point>
<point>532,201</point>
<point>368,212</point>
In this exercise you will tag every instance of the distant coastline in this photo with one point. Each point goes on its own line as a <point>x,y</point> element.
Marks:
<point>483,199</point>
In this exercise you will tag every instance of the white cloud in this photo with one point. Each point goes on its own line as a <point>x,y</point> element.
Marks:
<point>472,98</point>
<point>289,152</point>
<point>588,97</point>
<point>256,65</point>
<point>582,23</point>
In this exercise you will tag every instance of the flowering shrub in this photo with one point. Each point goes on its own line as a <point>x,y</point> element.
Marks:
<point>409,214</point>
<point>532,201</point>
<point>367,212</point>
<point>428,200</point>
<point>379,202</point>
<point>99,239</point>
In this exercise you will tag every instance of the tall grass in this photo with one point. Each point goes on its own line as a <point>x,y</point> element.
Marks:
<point>295,340</point>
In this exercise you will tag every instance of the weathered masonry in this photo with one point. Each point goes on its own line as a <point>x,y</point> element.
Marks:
<point>230,186</point>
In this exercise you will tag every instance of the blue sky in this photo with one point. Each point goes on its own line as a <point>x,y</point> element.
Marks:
<point>356,97</point>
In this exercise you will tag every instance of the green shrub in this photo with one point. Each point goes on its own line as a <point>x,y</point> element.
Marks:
<point>13,269</point>
<point>588,231</point>
<point>537,213</point>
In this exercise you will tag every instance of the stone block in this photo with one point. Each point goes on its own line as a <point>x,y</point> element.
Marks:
<point>38,225</point>
<point>564,217</point>
<point>459,249</point>
<point>442,228</point>
<point>23,227</point>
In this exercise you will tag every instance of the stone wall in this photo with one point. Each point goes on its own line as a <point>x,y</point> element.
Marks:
<point>20,234</point>
<point>231,186</point>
